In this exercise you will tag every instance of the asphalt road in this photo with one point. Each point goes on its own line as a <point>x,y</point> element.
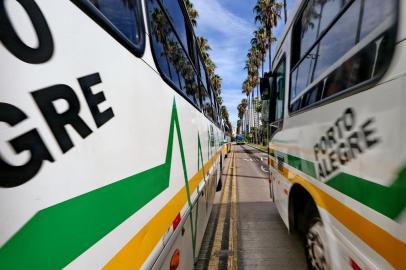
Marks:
<point>263,239</point>
<point>259,238</point>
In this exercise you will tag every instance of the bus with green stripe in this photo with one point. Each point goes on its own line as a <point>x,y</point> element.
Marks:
<point>337,157</point>
<point>111,139</point>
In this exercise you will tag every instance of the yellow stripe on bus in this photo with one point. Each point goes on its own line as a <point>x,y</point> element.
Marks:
<point>385,244</point>
<point>137,250</point>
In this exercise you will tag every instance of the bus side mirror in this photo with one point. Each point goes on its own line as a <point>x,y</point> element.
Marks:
<point>265,88</point>
<point>272,98</point>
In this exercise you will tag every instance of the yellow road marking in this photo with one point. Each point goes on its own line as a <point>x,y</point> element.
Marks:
<point>232,260</point>
<point>385,244</point>
<point>214,259</point>
<point>137,250</point>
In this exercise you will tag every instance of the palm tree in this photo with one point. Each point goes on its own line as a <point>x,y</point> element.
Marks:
<point>260,42</point>
<point>238,126</point>
<point>241,108</point>
<point>252,65</point>
<point>204,47</point>
<point>247,89</point>
<point>268,13</point>
<point>161,31</point>
<point>225,115</point>
<point>220,100</point>
<point>216,83</point>
<point>224,112</point>
<point>193,14</point>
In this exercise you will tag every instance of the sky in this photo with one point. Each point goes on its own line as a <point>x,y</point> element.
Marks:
<point>229,25</point>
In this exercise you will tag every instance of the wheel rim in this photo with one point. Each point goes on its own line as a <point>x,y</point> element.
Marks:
<point>316,246</point>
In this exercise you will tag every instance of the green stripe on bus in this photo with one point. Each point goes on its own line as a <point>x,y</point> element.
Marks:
<point>57,235</point>
<point>298,163</point>
<point>389,201</point>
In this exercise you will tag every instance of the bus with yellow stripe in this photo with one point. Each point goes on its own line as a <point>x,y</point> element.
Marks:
<point>337,123</point>
<point>110,136</point>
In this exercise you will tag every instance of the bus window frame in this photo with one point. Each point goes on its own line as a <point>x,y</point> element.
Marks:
<point>168,81</point>
<point>277,124</point>
<point>99,18</point>
<point>351,90</point>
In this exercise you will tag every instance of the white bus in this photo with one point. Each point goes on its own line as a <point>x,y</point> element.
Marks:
<point>337,156</point>
<point>110,136</point>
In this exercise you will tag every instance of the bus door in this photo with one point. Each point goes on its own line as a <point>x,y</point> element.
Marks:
<point>277,99</point>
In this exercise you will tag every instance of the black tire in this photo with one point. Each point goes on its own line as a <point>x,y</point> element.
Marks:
<point>314,239</point>
<point>220,182</point>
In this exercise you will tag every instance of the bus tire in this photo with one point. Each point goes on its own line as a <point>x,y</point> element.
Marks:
<point>315,240</point>
<point>220,182</point>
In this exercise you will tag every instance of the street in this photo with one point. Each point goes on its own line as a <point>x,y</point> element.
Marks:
<point>259,239</point>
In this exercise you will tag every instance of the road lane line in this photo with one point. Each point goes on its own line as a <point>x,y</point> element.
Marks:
<point>214,259</point>
<point>264,170</point>
<point>232,260</point>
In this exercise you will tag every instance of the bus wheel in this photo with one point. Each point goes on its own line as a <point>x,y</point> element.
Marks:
<point>220,182</point>
<point>315,241</point>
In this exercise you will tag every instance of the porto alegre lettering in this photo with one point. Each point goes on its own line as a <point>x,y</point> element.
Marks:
<point>13,175</point>
<point>343,142</point>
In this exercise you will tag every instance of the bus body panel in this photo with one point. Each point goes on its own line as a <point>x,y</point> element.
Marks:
<point>360,200</point>
<point>385,158</point>
<point>133,141</point>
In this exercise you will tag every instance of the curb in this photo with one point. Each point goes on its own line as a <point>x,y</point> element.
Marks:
<point>257,148</point>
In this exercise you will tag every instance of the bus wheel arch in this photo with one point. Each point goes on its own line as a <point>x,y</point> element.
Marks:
<point>305,219</point>
<point>299,197</point>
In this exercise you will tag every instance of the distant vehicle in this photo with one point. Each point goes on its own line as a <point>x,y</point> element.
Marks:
<point>337,114</point>
<point>227,140</point>
<point>240,139</point>
<point>110,138</point>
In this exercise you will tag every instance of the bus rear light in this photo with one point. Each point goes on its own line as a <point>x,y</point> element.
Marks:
<point>175,260</point>
<point>176,221</point>
<point>354,265</point>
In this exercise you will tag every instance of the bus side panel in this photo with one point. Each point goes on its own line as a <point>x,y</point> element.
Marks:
<point>374,137</point>
<point>133,143</point>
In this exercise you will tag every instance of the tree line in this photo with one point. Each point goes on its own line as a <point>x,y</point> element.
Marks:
<point>214,78</point>
<point>267,15</point>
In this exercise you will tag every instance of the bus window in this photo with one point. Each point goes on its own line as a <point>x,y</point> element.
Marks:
<point>124,15</point>
<point>203,74</point>
<point>375,12</point>
<point>339,39</point>
<point>171,58</point>
<point>349,52</point>
<point>206,103</point>
<point>213,107</point>
<point>191,85</point>
<point>315,19</point>
<point>280,90</point>
<point>175,14</point>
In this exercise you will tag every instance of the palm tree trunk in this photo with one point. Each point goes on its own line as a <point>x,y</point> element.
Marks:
<point>252,114</point>
<point>248,112</point>
<point>270,49</point>
<point>285,11</point>
<point>257,114</point>
<point>270,57</point>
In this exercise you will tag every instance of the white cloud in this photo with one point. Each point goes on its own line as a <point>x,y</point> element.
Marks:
<point>214,17</point>
<point>229,37</point>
